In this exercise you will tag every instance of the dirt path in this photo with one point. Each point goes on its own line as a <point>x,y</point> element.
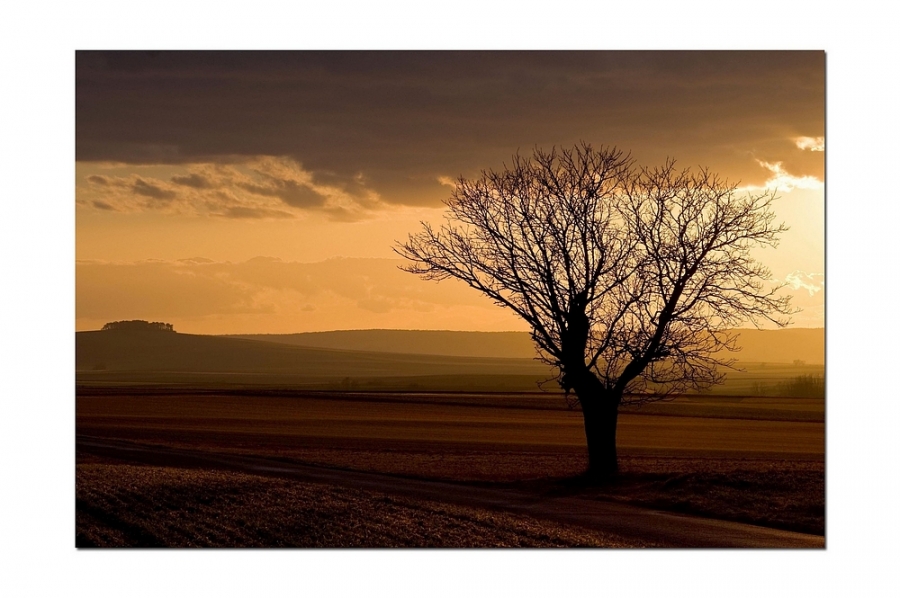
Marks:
<point>667,529</point>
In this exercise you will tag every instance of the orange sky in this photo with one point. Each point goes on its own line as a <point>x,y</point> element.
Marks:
<point>262,192</point>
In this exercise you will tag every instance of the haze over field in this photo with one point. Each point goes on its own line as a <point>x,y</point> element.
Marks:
<point>773,346</point>
<point>394,360</point>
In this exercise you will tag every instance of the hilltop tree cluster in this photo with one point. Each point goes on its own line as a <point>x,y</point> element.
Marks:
<point>139,325</point>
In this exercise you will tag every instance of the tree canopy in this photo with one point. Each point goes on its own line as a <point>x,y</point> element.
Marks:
<point>637,272</point>
<point>629,277</point>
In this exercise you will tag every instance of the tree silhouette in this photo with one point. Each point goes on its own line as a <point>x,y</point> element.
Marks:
<point>629,277</point>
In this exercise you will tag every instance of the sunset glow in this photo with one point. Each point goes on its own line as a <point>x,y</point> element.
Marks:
<point>263,192</point>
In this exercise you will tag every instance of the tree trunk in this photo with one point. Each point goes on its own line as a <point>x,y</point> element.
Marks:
<point>600,409</point>
<point>601,416</point>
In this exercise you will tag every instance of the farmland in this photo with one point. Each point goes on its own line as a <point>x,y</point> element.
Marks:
<point>188,440</point>
<point>751,460</point>
<point>193,508</point>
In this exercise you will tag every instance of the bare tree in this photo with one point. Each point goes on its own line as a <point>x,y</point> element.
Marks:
<point>630,278</point>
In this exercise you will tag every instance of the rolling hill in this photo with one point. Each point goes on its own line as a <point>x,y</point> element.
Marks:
<point>424,342</point>
<point>104,354</point>
<point>149,357</point>
<point>768,346</point>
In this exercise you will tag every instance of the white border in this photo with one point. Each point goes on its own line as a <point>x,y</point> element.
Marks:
<point>38,298</point>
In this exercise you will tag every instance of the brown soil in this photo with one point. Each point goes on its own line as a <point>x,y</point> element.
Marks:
<point>769,472</point>
<point>125,505</point>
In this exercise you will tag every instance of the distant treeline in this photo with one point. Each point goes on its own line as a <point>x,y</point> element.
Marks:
<point>138,325</point>
<point>811,386</point>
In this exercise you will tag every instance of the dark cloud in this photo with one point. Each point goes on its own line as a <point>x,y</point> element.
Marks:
<point>404,118</point>
<point>102,205</point>
<point>354,186</point>
<point>261,187</point>
<point>192,180</point>
<point>290,192</point>
<point>141,187</point>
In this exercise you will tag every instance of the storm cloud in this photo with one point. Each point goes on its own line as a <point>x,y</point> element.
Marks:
<point>404,119</point>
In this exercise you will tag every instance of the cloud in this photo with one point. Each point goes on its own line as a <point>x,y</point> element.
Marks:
<point>813,144</point>
<point>251,187</point>
<point>142,187</point>
<point>240,212</point>
<point>290,192</point>
<point>808,297</point>
<point>782,180</point>
<point>192,180</point>
<point>356,186</point>
<point>812,282</point>
<point>396,116</point>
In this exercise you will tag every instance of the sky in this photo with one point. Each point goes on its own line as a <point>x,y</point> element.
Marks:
<point>262,192</point>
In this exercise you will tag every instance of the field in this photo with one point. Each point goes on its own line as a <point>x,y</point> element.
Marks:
<point>741,459</point>
<point>124,505</point>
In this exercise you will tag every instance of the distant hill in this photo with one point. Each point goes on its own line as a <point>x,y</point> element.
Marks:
<point>423,342</point>
<point>108,352</point>
<point>770,346</point>
<point>161,357</point>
